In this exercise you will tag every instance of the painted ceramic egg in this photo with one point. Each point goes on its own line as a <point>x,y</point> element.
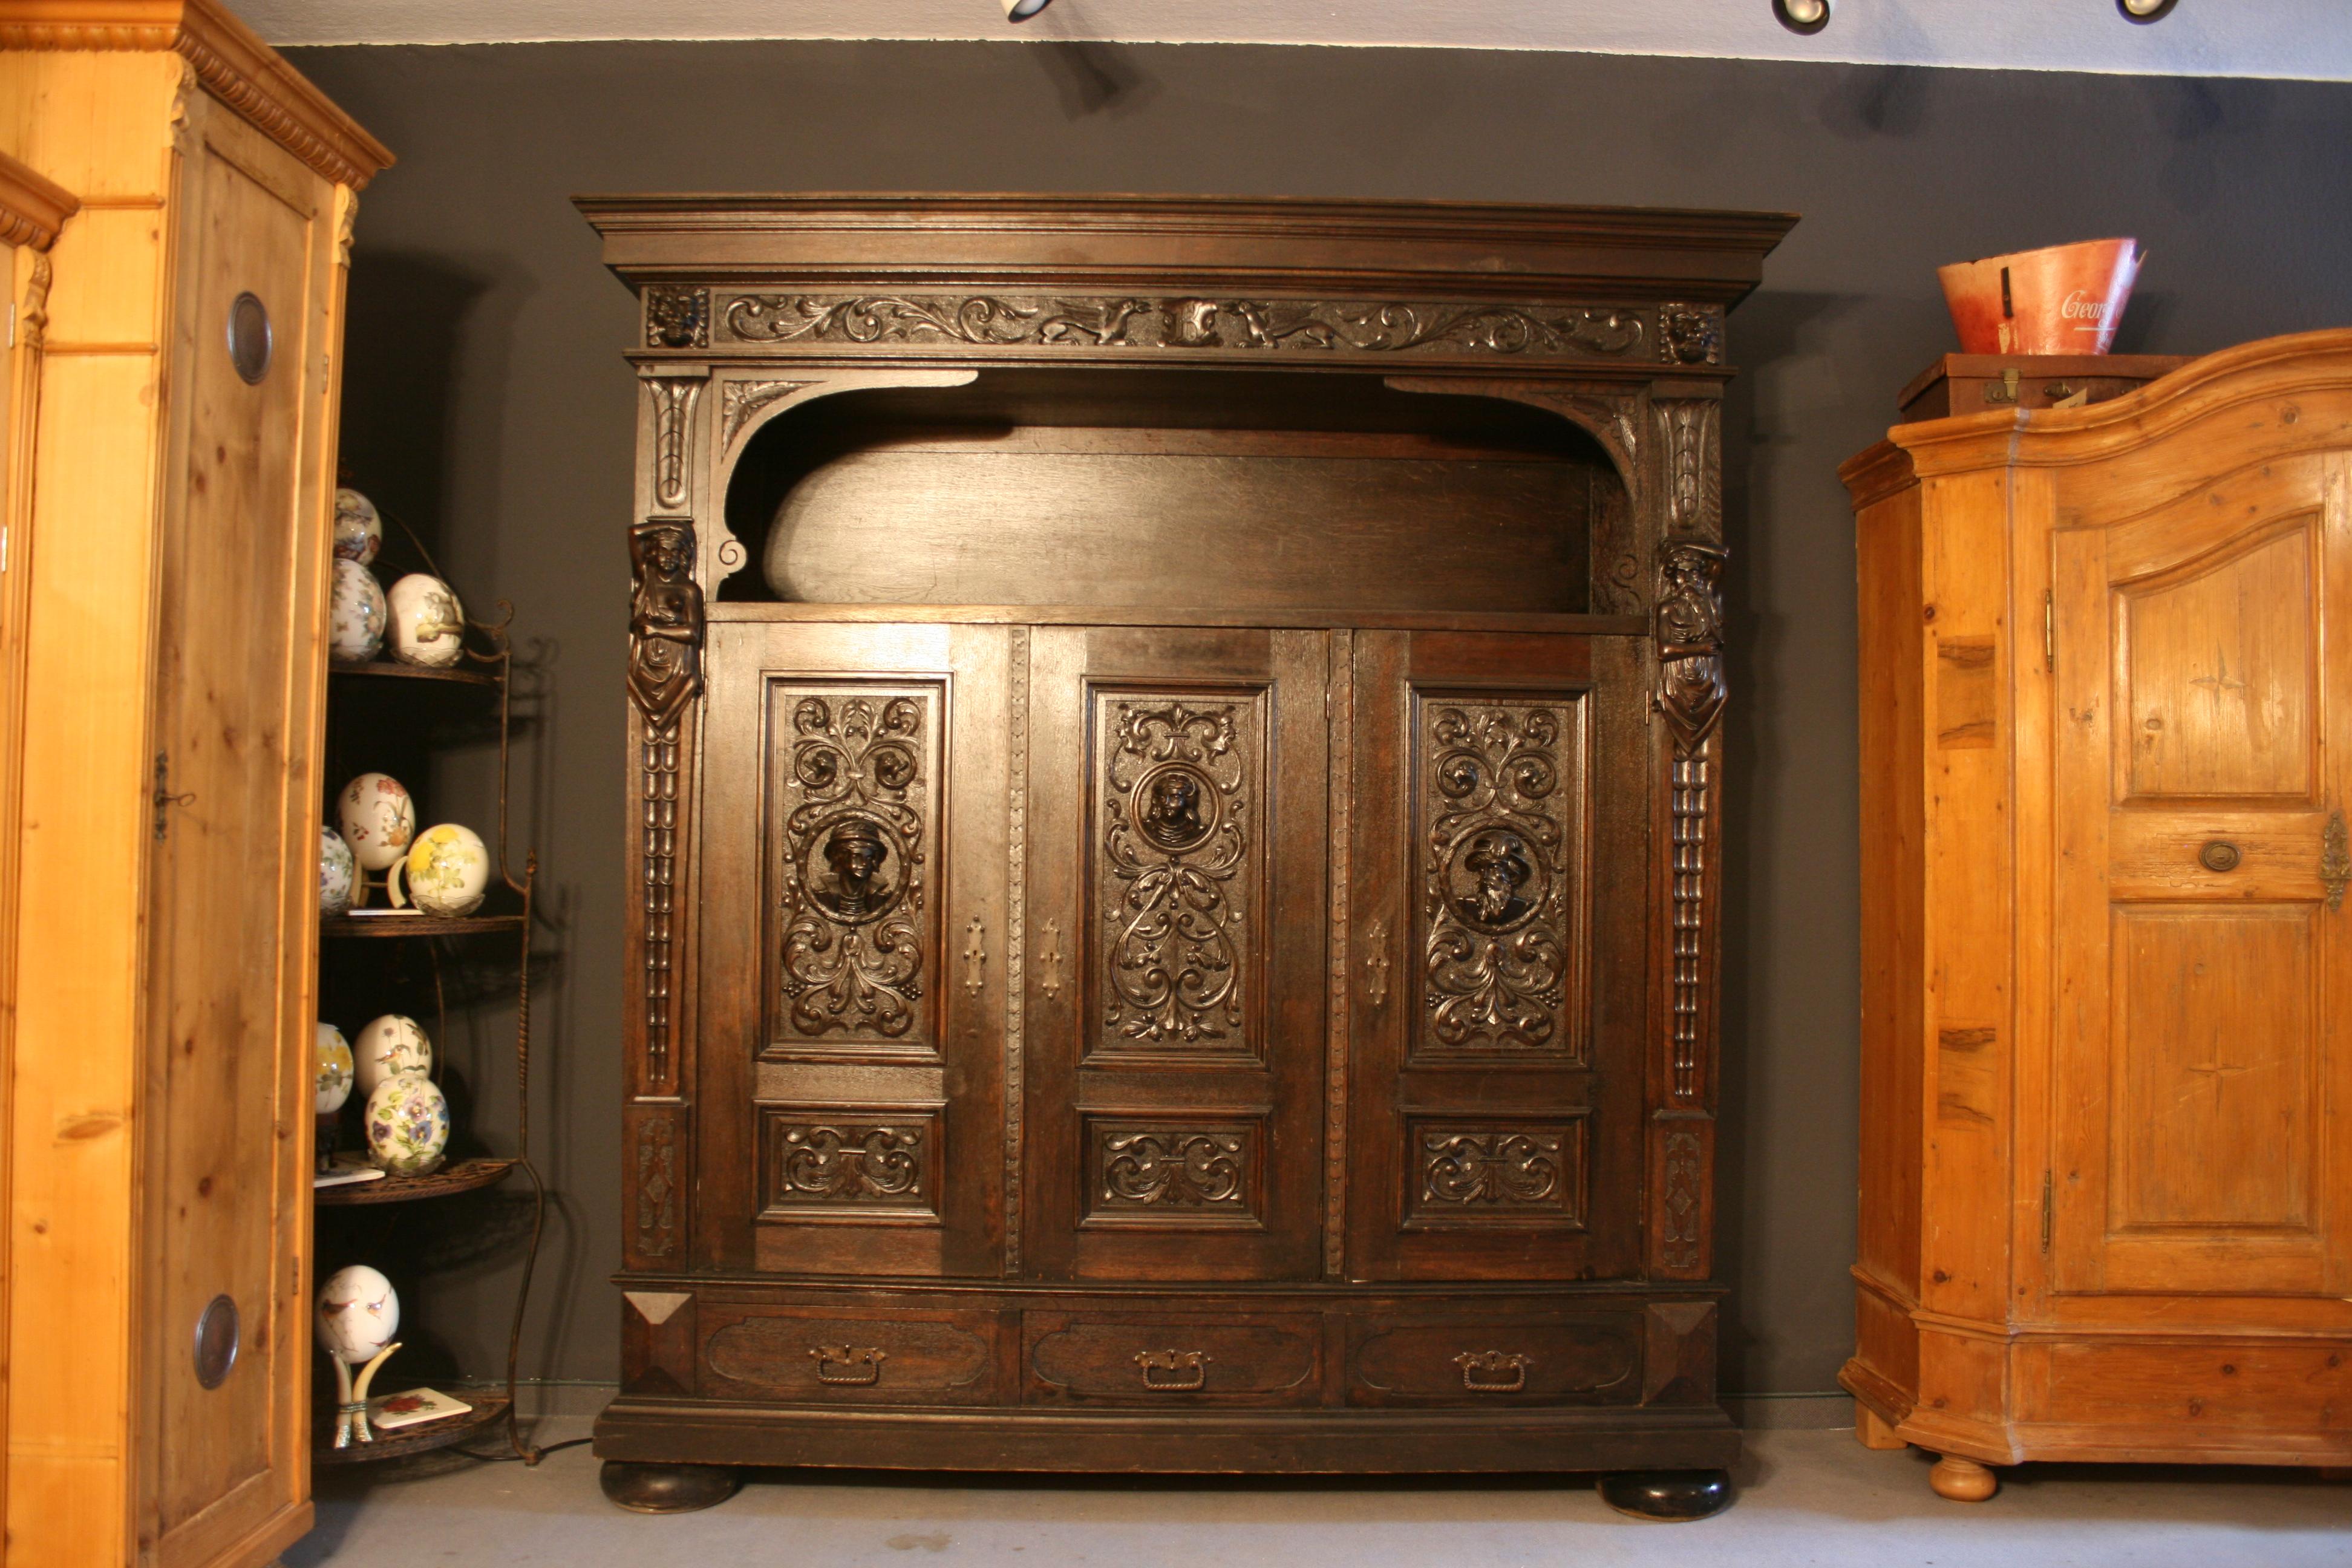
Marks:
<point>448,870</point>
<point>355,621</point>
<point>378,819</point>
<point>359,1313</point>
<point>428,627</point>
<point>407,1125</point>
<point>359,531</point>
<point>390,1046</point>
<point>334,1081</point>
<point>337,872</point>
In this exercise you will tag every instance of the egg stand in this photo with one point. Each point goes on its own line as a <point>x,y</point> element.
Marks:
<point>352,1397</point>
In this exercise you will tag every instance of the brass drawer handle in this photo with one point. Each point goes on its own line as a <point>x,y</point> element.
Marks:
<point>2219,854</point>
<point>1173,1372</point>
<point>1491,1372</point>
<point>848,1368</point>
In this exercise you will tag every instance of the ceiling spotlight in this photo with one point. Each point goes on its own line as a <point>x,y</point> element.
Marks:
<point>1813,16</point>
<point>1022,10</point>
<point>2145,11</point>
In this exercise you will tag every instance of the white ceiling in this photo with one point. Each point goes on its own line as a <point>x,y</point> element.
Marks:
<point>2304,38</point>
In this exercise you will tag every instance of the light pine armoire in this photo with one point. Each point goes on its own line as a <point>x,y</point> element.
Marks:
<point>166,576</point>
<point>2106,764</point>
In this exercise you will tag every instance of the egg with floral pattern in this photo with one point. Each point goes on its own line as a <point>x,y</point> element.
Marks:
<point>359,530</point>
<point>337,873</point>
<point>447,872</point>
<point>378,819</point>
<point>428,627</point>
<point>356,614</point>
<point>332,1082</point>
<point>359,1313</point>
<point>407,1125</point>
<point>390,1046</point>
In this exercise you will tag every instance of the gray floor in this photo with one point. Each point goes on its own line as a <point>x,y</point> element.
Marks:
<point>1811,1497</point>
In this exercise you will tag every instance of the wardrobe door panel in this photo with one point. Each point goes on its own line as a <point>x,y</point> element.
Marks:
<point>1497,1009</point>
<point>1177,808</point>
<point>852,1017</point>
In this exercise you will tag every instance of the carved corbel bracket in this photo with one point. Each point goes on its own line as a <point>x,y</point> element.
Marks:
<point>673,400</point>
<point>1692,470</point>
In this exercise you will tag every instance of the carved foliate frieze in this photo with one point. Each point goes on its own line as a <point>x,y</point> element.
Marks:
<point>1177,854</point>
<point>1158,1171</point>
<point>1497,789</point>
<point>1473,328</point>
<point>1691,334</point>
<point>856,802</point>
<point>826,1162</point>
<point>676,318</point>
<point>1512,1173</point>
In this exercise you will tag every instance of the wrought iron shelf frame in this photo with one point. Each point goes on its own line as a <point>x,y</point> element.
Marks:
<point>494,657</point>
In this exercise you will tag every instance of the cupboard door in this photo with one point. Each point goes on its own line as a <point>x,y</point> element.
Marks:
<point>852,931</point>
<point>2200,1139</point>
<point>1497,1003</point>
<point>1177,813</point>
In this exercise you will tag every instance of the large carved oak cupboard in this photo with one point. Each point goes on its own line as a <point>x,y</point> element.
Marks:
<point>2106,1158</point>
<point>1176,761</point>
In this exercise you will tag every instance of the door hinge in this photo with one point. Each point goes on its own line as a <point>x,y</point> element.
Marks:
<point>164,799</point>
<point>2048,1210</point>
<point>2049,632</point>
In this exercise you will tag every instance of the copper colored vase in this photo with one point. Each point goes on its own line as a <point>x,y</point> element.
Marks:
<point>2064,299</point>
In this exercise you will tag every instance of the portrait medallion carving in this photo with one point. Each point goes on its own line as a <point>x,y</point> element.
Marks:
<point>1497,795</point>
<point>1176,854</point>
<point>856,802</point>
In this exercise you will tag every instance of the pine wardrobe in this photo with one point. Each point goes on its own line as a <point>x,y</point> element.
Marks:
<point>1175,752</point>
<point>2107,1156</point>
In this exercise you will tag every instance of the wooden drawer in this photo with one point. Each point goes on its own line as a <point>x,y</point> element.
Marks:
<point>1590,1360</point>
<point>1173,1359</point>
<point>818,1355</point>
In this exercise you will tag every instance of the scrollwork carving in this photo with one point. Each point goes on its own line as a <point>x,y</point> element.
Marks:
<point>1494,876</point>
<point>858,781</point>
<point>1494,1169</point>
<point>1358,326</point>
<point>676,318</point>
<point>1175,843</point>
<point>1166,1168</point>
<point>738,400</point>
<point>859,1162</point>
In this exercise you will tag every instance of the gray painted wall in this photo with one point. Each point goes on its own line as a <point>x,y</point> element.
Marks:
<point>487,401</point>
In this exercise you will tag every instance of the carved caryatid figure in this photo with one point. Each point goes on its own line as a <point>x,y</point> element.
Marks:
<point>1690,639</point>
<point>664,622</point>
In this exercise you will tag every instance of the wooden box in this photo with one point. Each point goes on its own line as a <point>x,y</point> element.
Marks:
<point>1970,383</point>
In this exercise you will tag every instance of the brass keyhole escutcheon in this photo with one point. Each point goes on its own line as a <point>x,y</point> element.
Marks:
<point>2219,854</point>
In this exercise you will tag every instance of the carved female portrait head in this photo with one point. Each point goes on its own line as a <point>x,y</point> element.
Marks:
<point>1169,809</point>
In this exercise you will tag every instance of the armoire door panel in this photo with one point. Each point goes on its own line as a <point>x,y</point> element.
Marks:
<point>1178,798</point>
<point>2198,1126</point>
<point>1495,1101</point>
<point>852,920</point>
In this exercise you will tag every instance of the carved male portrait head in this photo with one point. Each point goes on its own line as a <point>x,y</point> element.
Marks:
<point>1172,809</point>
<point>1690,606</point>
<point>857,857</point>
<point>1499,867</point>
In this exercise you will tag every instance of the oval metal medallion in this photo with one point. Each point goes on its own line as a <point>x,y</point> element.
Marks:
<point>2219,855</point>
<point>216,1340</point>
<point>249,339</point>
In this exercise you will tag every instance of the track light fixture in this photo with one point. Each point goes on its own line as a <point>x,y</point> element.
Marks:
<point>1801,15</point>
<point>2145,11</point>
<point>1022,10</point>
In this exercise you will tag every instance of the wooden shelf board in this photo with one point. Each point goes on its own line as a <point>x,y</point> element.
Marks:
<point>417,925</point>
<point>488,1409</point>
<point>464,1176</point>
<point>384,667</point>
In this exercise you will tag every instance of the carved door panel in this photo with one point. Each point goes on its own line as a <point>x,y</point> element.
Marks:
<point>1499,984</point>
<point>1174,955</point>
<point>2199,1074</point>
<point>853,927</point>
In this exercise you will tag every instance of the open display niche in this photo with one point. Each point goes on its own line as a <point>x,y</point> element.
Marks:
<point>1175,760</point>
<point>1148,491</point>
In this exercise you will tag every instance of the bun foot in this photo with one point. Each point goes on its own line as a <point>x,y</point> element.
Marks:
<point>1671,1495</point>
<point>668,1488</point>
<point>1962,1480</point>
